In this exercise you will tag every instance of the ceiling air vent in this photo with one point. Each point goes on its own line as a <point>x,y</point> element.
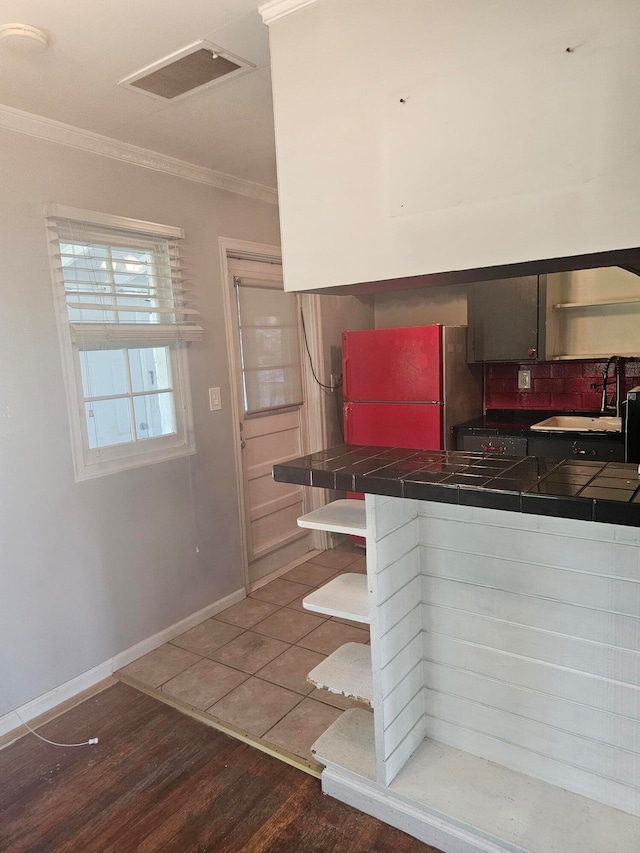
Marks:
<point>187,71</point>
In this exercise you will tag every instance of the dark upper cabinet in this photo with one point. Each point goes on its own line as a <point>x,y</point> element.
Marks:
<point>506,319</point>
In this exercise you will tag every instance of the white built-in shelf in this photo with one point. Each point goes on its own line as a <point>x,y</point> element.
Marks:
<point>346,516</point>
<point>628,300</point>
<point>347,671</point>
<point>345,596</point>
<point>593,355</point>
<point>349,743</point>
<point>470,798</point>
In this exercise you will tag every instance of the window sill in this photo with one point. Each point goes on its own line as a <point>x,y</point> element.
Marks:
<point>129,463</point>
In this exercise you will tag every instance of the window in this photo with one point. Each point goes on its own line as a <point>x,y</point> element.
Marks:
<point>269,346</point>
<point>124,325</point>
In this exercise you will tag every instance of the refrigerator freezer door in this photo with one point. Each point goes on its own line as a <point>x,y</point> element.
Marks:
<point>411,425</point>
<point>393,364</point>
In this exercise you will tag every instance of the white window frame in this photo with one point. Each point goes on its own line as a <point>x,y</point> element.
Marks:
<point>89,462</point>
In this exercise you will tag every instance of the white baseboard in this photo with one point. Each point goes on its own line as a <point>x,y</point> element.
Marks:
<point>42,704</point>
<point>445,835</point>
<point>151,643</point>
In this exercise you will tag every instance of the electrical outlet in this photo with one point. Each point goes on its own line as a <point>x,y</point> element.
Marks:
<point>336,378</point>
<point>524,380</point>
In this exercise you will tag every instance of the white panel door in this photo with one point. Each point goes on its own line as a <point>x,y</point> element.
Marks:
<point>272,418</point>
<point>272,508</point>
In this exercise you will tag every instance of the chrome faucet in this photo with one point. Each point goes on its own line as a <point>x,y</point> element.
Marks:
<point>615,404</point>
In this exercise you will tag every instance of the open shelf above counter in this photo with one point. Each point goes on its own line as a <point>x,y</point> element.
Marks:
<point>344,516</point>
<point>345,596</point>
<point>347,672</point>
<point>597,303</point>
<point>592,314</point>
<point>588,356</point>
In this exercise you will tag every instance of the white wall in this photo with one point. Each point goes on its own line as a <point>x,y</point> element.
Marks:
<point>89,569</point>
<point>507,148</point>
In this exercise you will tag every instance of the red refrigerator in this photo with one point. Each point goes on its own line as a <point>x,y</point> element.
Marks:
<point>408,387</point>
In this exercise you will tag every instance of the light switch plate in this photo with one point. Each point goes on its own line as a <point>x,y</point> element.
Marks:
<point>215,402</point>
<point>524,380</point>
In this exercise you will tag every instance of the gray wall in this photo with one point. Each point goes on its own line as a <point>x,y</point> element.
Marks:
<point>340,314</point>
<point>89,569</point>
<point>422,306</point>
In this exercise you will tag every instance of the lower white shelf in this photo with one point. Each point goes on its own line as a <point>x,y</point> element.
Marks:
<point>345,596</point>
<point>459,802</point>
<point>346,516</point>
<point>347,671</point>
<point>348,744</point>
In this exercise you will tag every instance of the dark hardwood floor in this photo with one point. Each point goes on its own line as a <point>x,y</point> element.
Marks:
<point>161,781</point>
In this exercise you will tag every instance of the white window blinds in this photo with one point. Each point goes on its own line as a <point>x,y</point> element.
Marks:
<point>121,285</point>
<point>269,346</point>
<point>124,316</point>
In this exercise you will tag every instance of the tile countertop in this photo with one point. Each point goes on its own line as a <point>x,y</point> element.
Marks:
<point>592,491</point>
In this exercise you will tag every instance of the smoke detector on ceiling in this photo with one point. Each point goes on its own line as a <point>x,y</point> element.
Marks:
<point>195,67</point>
<point>23,38</point>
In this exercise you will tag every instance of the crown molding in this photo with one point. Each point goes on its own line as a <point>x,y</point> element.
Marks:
<point>272,10</point>
<point>40,127</point>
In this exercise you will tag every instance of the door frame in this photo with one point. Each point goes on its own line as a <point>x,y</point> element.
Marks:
<point>313,423</point>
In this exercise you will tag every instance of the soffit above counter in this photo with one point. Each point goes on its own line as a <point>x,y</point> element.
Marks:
<point>627,259</point>
<point>447,165</point>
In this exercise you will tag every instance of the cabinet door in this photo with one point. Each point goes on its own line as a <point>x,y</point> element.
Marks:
<point>504,319</point>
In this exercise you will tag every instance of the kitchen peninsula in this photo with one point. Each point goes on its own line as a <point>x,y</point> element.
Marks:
<point>504,604</point>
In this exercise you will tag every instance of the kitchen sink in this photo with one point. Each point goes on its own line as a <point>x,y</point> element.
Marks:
<point>579,423</point>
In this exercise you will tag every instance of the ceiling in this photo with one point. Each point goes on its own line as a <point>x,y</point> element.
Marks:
<point>228,127</point>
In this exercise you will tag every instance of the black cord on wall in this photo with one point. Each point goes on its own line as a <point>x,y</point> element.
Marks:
<point>328,389</point>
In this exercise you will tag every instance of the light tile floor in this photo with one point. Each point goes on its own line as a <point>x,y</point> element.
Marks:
<point>248,665</point>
